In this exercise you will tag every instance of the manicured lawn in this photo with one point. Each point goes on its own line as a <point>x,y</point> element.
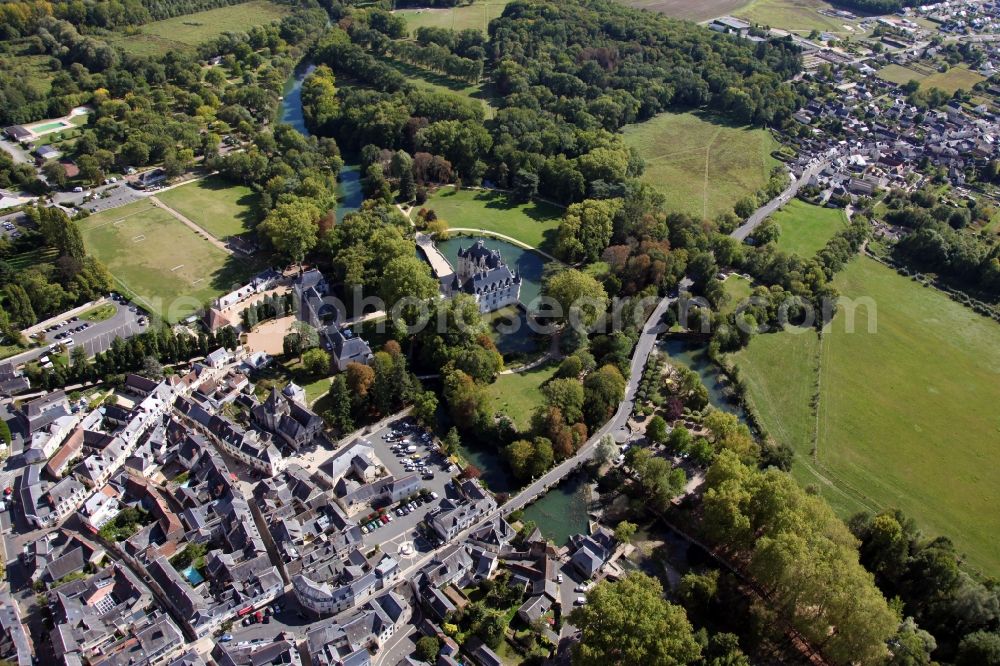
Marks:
<point>907,415</point>
<point>100,313</point>
<point>738,289</point>
<point>218,207</point>
<point>165,264</point>
<point>185,32</point>
<point>702,167</point>
<point>476,15</point>
<point>519,394</point>
<point>800,16</point>
<point>806,228</point>
<point>532,223</point>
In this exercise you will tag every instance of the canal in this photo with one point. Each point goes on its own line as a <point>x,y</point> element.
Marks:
<point>349,192</point>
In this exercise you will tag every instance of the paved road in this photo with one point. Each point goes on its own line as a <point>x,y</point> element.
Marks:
<point>18,154</point>
<point>774,204</point>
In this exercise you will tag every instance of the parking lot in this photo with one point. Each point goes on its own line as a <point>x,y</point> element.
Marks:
<point>400,536</point>
<point>94,337</point>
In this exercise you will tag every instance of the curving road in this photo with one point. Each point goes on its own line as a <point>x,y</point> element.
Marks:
<point>765,211</point>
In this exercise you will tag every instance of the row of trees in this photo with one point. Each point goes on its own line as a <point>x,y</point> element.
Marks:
<point>438,58</point>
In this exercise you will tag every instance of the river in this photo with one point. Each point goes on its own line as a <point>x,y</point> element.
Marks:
<point>349,192</point>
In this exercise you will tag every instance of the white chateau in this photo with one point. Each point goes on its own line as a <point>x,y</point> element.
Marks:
<point>483,274</point>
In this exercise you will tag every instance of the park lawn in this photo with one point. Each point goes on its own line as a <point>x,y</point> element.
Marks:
<point>220,208</point>
<point>519,394</point>
<point>806,228</point>
<point>738,289</point>
<point>184,33</point>
<point>952,80</point>
<point>799,16</point>
<point>170,269</point>
<point>909,415</point>
<point>702,167</point>
<point>533,223</point>
<point>476,15</point>
<point>690,10</point>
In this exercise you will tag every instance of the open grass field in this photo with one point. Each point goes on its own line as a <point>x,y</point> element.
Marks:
<point>799,16</point>
<point>163,262</point>
<point>899,74</point>
<point>702,167</point>
<point>907,416</point>
<point>519,394</point>
<point>477,15</point>
<point>738,289</point>
<point>218,207</point>
<point>690,10</point>
<point>533,223</point>
<point>806,228</point>
<point>950,81</point>
<point>183,33</point>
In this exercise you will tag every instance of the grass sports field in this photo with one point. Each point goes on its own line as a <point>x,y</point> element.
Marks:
<point>183,33</point>
<point>218,207</point>
<point>164,263</point>
<point>532,223</point>
<point>701,166</point>
<point>907,416</point>
<point>800,16</point>
<point>477,15</point>
<point>519,394</point>
<point>806,228</point>
<point>950,81</point>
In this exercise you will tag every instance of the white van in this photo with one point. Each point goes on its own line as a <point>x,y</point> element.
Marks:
<point>411,449</point>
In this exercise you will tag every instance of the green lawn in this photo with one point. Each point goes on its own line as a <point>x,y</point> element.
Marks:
<point>738,289</point>
<point>702,167</point>
<point>690,10</point>
<point>184,33</point>
<point>100,313</point>
<point>800,16</point>
<point>476,15</point>
<point>806,228</point>
<point>165,264</point>
<point>220,208</point>
<point>907,416</point>
<point>780,374</point>
<point>519,394</point>
<point>899,74</point>
<point>531,223</point>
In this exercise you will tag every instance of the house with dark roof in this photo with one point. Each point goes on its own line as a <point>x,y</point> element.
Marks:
<point>293,422</point>
<point>15,642</point>
<point>483,274</point>
<point>18,133</point>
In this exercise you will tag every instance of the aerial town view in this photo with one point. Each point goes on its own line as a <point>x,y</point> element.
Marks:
<point>499,332</point>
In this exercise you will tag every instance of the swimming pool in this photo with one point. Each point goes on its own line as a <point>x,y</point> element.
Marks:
<point>48,127</point>
<point>193,575</point>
